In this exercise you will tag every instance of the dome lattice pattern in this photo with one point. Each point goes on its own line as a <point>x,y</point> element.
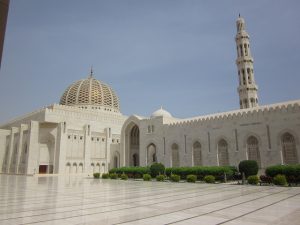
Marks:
<point>91,92</point>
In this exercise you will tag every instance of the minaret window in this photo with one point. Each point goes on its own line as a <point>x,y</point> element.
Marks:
<point>241,48</point>
<point>249,75</point>
<point>246,51</point>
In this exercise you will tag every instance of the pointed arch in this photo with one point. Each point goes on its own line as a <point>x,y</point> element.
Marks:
<point>197,154</point>
<point>151,154</point>
<point>289,149</point>
<point>175,160</point>
<point>116,160</point>
<point>253,149</point>
<point>223,157</point>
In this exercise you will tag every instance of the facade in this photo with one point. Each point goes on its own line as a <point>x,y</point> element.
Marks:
<point>4,5</point>
<point>87,133</point>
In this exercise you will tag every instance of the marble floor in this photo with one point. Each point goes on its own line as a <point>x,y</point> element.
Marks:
<point>77,200</point>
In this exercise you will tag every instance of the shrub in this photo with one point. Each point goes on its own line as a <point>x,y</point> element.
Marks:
<point>253,179</point>
<point>124,177</point>
<point>209,179</point>
<point>96,175</point>
<point>249,167</point>
<point>191,178</point>
<point>147,177</point>
<point>105,175</point>
<point>280,179</point>
<point>157,169</point>
<point>202,171</point>
<point>175,178</point>
<point>266,179</point>
<point>113,176</point>
<point>160,177</point>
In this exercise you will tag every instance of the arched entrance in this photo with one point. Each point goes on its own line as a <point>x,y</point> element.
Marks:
<point>151,154</point>
<point>132,144</point>
<point>197,157</point>
<point>289,150</point>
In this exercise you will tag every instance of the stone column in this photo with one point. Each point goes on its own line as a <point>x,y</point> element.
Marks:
<point>11,147</point>
<point>32,166</point>
<point>20,147</point>
<point>87,148</point>
<point>107,148</point>
<point>61,148</point>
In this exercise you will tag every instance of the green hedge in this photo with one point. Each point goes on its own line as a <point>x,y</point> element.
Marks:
<point>131,172</point>
<point>202,171</point>
<point>291,172</point>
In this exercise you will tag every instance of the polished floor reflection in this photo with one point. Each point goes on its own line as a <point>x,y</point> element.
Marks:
<point>77,200</point>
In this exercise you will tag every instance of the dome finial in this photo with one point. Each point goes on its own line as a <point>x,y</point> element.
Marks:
<point>92,72</point>
<point>239,15</point>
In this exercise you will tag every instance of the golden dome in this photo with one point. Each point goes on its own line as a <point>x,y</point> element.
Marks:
<point>91,94</point>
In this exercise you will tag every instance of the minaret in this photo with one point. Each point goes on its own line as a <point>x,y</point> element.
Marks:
<point>247,88</point>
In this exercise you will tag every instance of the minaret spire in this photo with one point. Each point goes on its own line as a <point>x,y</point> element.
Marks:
<point>247,88</point>
<point>92,72</point>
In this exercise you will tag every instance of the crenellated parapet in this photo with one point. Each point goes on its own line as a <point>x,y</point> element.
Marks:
<point>267,110</point>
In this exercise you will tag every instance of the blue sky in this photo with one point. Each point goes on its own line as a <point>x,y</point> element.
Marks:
<point>179,54</point>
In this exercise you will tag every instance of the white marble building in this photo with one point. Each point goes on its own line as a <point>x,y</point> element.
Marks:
<point>87,133</point>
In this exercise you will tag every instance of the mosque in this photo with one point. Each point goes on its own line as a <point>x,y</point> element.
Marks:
<point>86,132</point>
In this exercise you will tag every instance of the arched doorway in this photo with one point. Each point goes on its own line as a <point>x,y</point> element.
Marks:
<point>197,157</point>
<point>175,156</point>
<point>74,168</point>
<point>289,150</point>
<point>92,168</point>
<point>68,168</point>
<point>151,154</point>
<point>134,145</point>
<point>80,168</point>
<point>97,170</point>
<point>253,149</point>
<point>116,160</point>
<point>223,153</point>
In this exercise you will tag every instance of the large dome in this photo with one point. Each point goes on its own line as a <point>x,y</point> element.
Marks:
<point>91,94</point>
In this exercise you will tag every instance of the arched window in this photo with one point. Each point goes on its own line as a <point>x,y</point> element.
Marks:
<point>197,157</point>
<point>175,155</point>
<point>289,150</point>
<point>223,153</point>
<point>253,149</point>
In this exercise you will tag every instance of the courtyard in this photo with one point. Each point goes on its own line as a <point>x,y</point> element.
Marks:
<point>78,200</point>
